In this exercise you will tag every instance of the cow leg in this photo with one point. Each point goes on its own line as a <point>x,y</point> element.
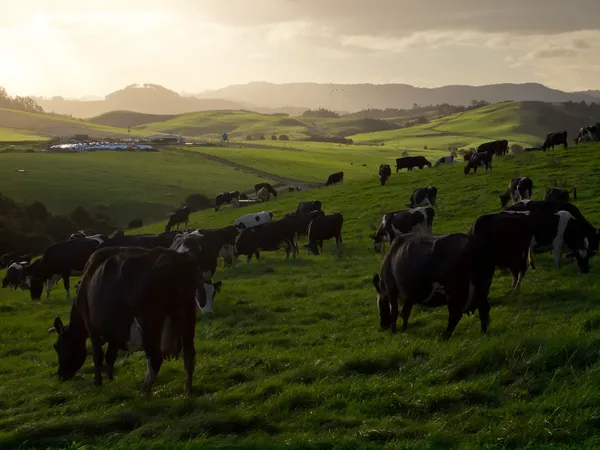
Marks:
<point>111,358</point>
<point>249,258</point>
<point>98,356</point>
<point>454,315</point>
<point>49,284</point>
<point>154,360</point>
<point>67,283</point>
<point>558,246</point>
<point>189,351</point>
<point>405,313</point>
<point>532,245</point>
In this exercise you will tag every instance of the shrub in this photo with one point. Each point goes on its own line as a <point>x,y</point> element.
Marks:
<point>273,138</point>
<point>284,137</point>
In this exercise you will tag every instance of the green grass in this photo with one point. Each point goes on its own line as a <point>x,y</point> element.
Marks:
<point>9,135</point>
<point>293,358</point>
<point>124,185</point>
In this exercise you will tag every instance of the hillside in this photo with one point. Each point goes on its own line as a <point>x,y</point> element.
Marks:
<point>126,119</point>
<point>355,97</point>
<point>293,357</point>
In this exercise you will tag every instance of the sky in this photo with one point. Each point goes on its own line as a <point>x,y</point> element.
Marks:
<point>76,48</point>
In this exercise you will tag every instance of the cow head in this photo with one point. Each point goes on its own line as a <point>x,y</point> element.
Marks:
<point>504,198</point>
<point>70,348</point>
<point>468,168</point>
<point>385,318</point>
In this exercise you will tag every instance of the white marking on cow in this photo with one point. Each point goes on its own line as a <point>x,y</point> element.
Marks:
<point>559,240</point>
<point>14,266</point>
<point>209,290</point>
<point>96,238</point>
<point>50,283</point>
<point>470,298</point>
<point>183,249</point>
<point>422,227</point>
<point>150,374</point>
<point>28,282</point>
<point>136,339</point>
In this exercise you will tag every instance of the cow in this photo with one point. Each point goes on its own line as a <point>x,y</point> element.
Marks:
<point>133,299</point>
<point>479,160</point>
<point>225,197</point>
<point>135,223</point>
<point>498,148</point>
<point>218,243</point>
<point>61,260</point>
<point>588,134</point>
<point>77,235</point>
<point>325,228</point>
<point>15,276</point>
<point>300,223</point>
<point>253,219</point>
<point>306,207</point>
<point>468,155</point>
<point>117,233</point>
<point>434,270</point>
<point>445,160</point>
<point>409,162</point>
<point>8,258</point>
<point>553,139</point>
<point>385,171</point>
<point>263,195</point>
<point>269,237</point>
<point>423,197</point>
<point>147,241</point>
<point>518,189</point>
<point>293,188</point>
<point>403,222</point>
<point>507,239</point>
<point>177,217</point>
<point>335,178</point>
<point>267,186</point>
<point>558,194</point>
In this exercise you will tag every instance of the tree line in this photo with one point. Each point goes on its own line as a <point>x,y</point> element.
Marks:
<point>18,102</point>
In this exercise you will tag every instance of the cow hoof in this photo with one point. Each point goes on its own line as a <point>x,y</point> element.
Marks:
<point>98,382</point>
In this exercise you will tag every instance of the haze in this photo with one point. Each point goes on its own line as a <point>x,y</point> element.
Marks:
<point>76,48</point>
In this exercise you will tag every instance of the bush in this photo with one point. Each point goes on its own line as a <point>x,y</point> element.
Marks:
<point>284,137</point>
<point>404,154</point>
<point>516,148</point>
<point>273,138</point>
<point>424,147</point>
<point>248,138</point>
<point>197,202</point>
<point>262,137</point>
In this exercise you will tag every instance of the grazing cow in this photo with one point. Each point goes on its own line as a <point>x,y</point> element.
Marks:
<point>335,178</point>
<point>445,160</point>
<point>498,148</point>
<point>253,219</point>
<point>468,155</point>
<point>479,160</point>
<point>306,207</point>
<point>268,237</point>
<point>147,241</point>
<point>300,223</point>
<point>267,186</point>
<point>15,276</point>
<point>133,299</point>
<point>385,171</point>
<point>588,134</point>
<point>409,162</point>
<point>225,197</point>
<point>507,238</point>
<point>518,189</point>
<point>403,222</point>
<point>434,270</point>
<point>423,197</point>
<point>177,217</point>
<point>218,243</point>
<point>558,194</point>
<point>263,195</point>
<point>78,235</point>
<point>136,223</point>
<point>553,139</point>
<point>61,260</point>
<point>8,258</point>
<point>325,228</point>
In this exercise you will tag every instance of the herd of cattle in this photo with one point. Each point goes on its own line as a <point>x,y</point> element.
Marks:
<point>142,292</point>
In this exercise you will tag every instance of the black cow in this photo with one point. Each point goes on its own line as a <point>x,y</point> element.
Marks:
<point>479,160</point>
<point>8,258</point>
<point>136,223</point>
<point>553,139</point>
<point>268,237</point>
<point>225,198</point>
<point>306,207</point>
<point>267,186</point>
<point>558,194</point>
<point>61,260</point>
<point>423,197</point>
<point>133,299</point>
<point>385,171</point>
<point>15,276</point>
<point>177,217</point>
<point>434,270</point>
<point>216,243</point>
<point>147,241</point>
<point>78,235</point>
<point>325,228</point>
<point>335,178</point>
<point>403,222</point>
<point>507,239</point>
<point>518,189</point>
<point>300,223</point>
<point>409,162</point>
<point>499,148</point>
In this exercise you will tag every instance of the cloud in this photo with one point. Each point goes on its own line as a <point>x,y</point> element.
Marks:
<point>556,52</point>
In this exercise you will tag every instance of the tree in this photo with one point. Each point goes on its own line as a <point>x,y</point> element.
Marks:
<point>82,218</point>
<point>284,137</point>
<point>197,202</point>
<point>37,211</point>
<point>424,147</point>
<point>273,138</point>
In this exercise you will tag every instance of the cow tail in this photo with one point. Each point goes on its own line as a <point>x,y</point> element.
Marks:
<point>574,191</point>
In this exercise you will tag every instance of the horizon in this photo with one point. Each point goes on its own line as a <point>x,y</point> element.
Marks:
<point>72,50</point>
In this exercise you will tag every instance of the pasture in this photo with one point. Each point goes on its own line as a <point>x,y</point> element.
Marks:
<point>293,357</point>
<point>124,185</point>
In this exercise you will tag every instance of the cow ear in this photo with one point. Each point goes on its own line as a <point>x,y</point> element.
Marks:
<point>376,281</point>
<point>58,326</point>
<point>218,285</point>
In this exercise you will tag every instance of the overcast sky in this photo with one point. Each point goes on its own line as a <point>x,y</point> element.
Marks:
<point>79,47</point>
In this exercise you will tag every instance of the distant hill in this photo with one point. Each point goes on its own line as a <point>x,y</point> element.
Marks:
<point>593,93</point>
<point>125,119</point>
<point>355,97</point>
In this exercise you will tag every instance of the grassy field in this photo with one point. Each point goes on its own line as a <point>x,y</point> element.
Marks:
<point>124,185</point>
<point>10,135</point>
<point>293,358</point>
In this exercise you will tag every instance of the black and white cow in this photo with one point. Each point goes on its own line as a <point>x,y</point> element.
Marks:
<point>270,237</point>
<point>479,160</point>
<point>254,219</point>
<point>267,186</point>
<point>335,178</point>
<point>8,258</point>
<point>518,189</point>
<point>306,207</point>
<point>218,243</point>
<point>324,228</point>
<point>385,172</point>
<point>423,197</point>
<point>553,139</point>
<point>561,195</point>
<point>225,198</point>
<point>78,235</point>
<point>445,160</point>
<point>588,134</point>
<point>15,276</point>
<point>434,270</point>
<point>148,241</point>
<point>418,220</point>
